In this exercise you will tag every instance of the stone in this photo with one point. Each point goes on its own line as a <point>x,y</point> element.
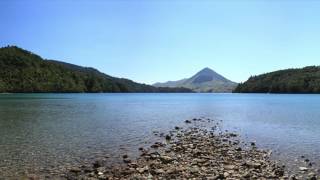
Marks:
<point>159,171</point>
<point>166,159</point>
<point>246,175</point>
<point>127,161</point>
<point>293,177</point>
<point>75,170</point>
<point>312,177</point>
<point>157,145</point>
<point>97,164</point>
<point>187,121</point>
<point>133,165</point>
<point>168,137</point>
<point>229,167</point>
<point>253,164</point>
<point>303,169</point>
<point>102,177</point>
<point>279,172</point>
<point>154,156</point>
<point>142,170</point>
<point>149,177</point>
<point>233,135</point>
<point>87,169</point>
<point>32,177</point>
<point>194,169</point>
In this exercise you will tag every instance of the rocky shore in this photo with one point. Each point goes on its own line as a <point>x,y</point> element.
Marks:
<point>193,152</point>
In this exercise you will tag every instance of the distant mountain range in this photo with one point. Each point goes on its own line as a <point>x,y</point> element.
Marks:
<point>206,80</point>
<point>304,80</point>
<point>24,71</point>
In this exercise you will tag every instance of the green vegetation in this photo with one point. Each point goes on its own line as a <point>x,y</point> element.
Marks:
<point>305,80</point>
<point>23,71</point>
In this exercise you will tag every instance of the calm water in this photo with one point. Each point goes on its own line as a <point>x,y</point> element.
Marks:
<point>41,131</point>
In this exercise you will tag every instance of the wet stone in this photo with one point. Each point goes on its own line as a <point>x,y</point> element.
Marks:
<point>168,137</point>
<point>187,121</point>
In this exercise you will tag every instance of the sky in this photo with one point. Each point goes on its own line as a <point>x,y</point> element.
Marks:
<point>160,40</point>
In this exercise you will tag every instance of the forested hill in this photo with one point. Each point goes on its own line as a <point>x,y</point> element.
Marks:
<point>305,80</point>
<point>23,71</point>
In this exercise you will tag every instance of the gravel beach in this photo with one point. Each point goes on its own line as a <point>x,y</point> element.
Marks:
<point>197,150</point>
<point>193,152</point>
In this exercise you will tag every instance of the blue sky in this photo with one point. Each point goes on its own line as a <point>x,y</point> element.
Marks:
<point>160,40</point>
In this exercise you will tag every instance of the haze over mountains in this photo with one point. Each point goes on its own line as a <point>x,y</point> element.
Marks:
<point>206,80</point>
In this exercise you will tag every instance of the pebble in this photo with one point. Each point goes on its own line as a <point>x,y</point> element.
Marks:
<point>159,171</point>
<point>303,169</point>
<point>127,161</point>
<point>75,170</point>
<point>168,137</point>
<point>187,121</point>
<point>166,159</point>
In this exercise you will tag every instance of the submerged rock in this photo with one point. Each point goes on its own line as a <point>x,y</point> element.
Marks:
<point>97,164</point>
<point>187,121</point>
<point>168,137</point>
<point>127,161</point>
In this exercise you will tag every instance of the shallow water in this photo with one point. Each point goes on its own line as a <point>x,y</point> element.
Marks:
<point>43,131</point>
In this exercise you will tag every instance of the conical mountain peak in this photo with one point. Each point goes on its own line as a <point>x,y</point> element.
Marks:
<point>206,80</point>
<point>206,71</point>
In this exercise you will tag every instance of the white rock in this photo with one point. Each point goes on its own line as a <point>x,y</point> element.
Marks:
<point>303,169</point>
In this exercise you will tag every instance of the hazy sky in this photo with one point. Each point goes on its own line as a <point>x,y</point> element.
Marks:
<point>160,40</point>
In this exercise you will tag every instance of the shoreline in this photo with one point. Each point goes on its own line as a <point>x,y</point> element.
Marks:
<point>194,151</point>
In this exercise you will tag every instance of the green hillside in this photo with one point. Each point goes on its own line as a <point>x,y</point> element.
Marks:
<point>23,71</point>
<point>305,80</point>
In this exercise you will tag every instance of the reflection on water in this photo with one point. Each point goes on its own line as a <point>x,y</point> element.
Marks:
<point>39,131</point>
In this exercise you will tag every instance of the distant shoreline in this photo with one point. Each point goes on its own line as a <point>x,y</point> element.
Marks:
<point>3,93</point>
